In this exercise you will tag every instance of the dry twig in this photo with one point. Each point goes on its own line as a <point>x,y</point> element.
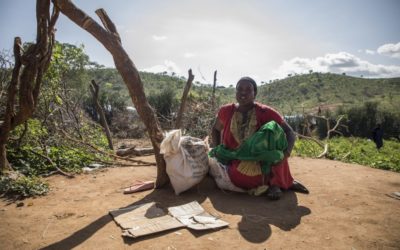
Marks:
<point>52,163</point>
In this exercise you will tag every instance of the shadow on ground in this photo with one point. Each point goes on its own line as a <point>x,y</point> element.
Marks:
<point>257,213</point>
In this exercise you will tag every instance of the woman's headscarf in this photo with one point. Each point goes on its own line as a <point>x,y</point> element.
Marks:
<point>250,80</point>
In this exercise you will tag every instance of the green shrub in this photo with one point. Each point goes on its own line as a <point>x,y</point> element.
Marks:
<point>29,155</point>
<point>23,186</point>
<point>355,150</point>
<point>306,148</point>
<point>164,103</point>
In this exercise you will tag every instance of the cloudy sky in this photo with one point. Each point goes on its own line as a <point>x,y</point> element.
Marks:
<point>262,39</point>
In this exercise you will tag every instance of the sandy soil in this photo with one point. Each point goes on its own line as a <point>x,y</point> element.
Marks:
<point>348,208</point>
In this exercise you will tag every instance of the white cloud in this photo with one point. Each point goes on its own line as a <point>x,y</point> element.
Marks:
<point>168,67</point>
<point>189,55</point>
<point>129,31</point>
<point>120,27</point>
<point>159,38</point>
<point>370,52</point>
<point>390,49</point>
<point>341,62</point>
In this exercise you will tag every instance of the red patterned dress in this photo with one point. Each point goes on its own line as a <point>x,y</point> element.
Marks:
<point>247,174</point>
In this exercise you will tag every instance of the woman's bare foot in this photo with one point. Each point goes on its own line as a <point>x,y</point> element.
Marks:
<point>274,193</point>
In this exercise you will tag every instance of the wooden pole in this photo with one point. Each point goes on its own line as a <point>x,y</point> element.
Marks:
<point>94,89</point>
<point>178,123</point>
<point>213,91</point>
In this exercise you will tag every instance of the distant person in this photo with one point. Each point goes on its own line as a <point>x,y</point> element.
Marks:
<point>235,123</point>
<point>377,136</point>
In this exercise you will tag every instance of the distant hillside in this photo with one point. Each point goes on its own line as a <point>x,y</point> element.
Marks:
<point>292,94</point>
<point>112,83</point>
<point>289,95</point>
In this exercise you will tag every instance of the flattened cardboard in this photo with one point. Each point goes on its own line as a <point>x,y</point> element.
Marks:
<point>193,216</point>
<point>145,219</point>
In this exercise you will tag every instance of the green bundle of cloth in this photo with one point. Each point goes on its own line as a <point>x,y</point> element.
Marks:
<point>266,145</point>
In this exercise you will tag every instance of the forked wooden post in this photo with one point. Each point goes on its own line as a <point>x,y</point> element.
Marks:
<point>179,118</point>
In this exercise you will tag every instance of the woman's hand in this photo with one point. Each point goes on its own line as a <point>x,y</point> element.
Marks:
<point>286,154</point>
<point>290,137</point>
<point>216,133</point>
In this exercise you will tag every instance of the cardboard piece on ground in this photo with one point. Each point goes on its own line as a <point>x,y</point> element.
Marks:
<point>193,216</point>
<point>144,219</point>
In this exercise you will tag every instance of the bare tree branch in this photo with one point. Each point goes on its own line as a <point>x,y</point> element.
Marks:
<point>52,163</point>
<point>311,139</point>
<point>324,145</point>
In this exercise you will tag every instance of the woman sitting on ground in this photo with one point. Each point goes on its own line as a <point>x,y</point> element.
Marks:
<point>237,122</point>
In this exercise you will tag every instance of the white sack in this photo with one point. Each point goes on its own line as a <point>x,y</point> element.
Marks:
<point>186,159</point>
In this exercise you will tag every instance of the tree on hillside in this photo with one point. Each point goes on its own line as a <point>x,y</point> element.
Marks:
<point>27,76</point>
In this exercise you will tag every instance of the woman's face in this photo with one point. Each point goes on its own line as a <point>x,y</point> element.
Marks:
<point>245,93</point>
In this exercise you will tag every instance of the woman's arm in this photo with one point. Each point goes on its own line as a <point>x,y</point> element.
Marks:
<point>216,133</point>
<point>290,137</point>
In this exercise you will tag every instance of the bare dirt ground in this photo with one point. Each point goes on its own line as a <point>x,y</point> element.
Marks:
<point>348,208</point>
